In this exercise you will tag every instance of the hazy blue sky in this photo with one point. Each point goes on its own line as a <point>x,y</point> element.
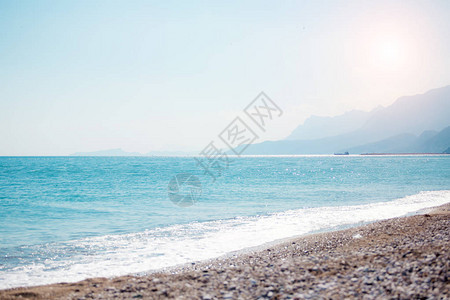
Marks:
<point>144,75</point>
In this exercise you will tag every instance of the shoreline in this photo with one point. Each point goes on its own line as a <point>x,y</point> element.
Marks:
<point>367,260</point>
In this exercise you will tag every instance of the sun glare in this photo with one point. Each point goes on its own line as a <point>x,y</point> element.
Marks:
<point>390,52</point>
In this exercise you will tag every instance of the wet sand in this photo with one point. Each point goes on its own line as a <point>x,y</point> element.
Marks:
<point>406,258</point>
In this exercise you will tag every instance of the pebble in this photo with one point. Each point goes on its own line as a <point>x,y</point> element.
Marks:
<point>399,258</point>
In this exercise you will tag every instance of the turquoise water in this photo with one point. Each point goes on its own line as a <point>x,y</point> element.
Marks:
<point>68,218</point>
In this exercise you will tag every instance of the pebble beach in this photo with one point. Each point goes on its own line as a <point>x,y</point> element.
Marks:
<point>401,258</point>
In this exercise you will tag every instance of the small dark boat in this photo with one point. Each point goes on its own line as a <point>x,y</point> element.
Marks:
<point>345,153</point>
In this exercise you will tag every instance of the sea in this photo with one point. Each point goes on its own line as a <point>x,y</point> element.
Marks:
<point>64,219</point>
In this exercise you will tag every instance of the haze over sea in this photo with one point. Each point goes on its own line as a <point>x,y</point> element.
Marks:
<point>70,218</point>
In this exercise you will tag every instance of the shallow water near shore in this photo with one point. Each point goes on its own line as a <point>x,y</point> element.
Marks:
<point>69,218</point>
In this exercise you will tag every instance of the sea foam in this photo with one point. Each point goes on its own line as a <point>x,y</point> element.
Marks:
<point>114,255</point>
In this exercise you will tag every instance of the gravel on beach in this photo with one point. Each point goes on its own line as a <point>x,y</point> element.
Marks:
<point>401,258</point>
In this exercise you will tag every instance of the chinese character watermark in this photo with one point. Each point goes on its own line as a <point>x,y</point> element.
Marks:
<point>213,161</point>
<point>262,108</point>
<point>184,189</point>
<point>237,136</point>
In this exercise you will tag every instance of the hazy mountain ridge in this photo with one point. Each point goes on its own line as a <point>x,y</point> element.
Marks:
<point>427,142</point>
<point>391,129</point>
<point>437,143</point>
<point>413,114</point>
<point>417,123</point>
<point>316,127</point>
<point>120,152</point>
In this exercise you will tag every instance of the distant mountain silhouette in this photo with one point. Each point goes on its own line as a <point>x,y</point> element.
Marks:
<point>437,143</point>
<point>400,143</point>
<point>110,152</point>
<point>316,127</point>
<point>427,142</point>
<point>413,114</point>
<point>395,127</point>
<point>120,152</point>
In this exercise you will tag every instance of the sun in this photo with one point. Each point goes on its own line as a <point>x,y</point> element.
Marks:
<point>389,52</point>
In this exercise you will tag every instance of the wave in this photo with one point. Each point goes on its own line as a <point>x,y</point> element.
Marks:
<point>115,255</point>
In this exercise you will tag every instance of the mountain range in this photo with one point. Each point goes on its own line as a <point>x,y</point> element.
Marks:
<point>411,124</point>
<point>120,152</point>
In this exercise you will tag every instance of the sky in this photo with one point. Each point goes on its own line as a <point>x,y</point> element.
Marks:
<point>171,75</point>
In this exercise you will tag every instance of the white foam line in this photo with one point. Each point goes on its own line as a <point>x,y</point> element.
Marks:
<point>115,255</point>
